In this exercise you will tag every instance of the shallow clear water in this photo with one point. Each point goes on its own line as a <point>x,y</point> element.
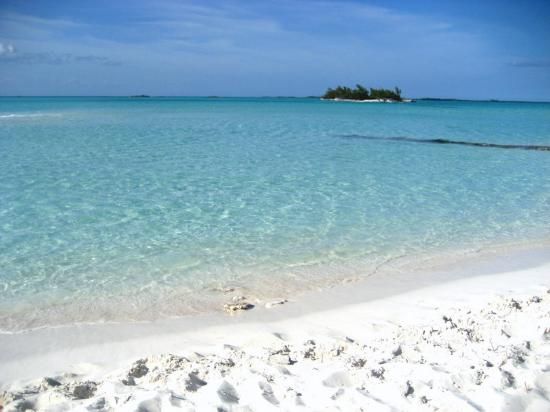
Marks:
<point>117,208</point>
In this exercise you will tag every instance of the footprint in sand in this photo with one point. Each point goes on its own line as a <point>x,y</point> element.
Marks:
<point>150,405</point>
<point>194,383</point>
<point>227,393</point>
<point>267,393</point>
<point>337,380</point>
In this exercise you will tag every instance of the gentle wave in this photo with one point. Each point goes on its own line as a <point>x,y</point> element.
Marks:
<point>19,115</point>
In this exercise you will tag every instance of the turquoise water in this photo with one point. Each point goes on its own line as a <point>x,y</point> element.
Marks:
<point>117,208</point>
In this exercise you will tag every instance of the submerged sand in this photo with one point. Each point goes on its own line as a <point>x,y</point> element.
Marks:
<point>472,337</point>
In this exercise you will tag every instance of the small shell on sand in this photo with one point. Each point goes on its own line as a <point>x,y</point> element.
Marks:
<point>269,305</point>
<point>235,307</point>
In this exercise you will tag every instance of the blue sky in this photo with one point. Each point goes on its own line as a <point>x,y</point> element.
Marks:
<point>462,49</point>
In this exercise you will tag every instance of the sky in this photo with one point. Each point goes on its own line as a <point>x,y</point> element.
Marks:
<point>432,48</point>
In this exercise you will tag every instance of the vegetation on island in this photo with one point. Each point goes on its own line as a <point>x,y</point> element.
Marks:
<point>362,93</point>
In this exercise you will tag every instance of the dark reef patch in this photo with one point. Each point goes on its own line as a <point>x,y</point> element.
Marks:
<point>541,148</point>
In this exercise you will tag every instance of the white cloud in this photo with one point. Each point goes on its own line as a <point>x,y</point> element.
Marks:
<point>6,49</point>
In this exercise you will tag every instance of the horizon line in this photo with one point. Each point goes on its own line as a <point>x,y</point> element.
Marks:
<point>146,96</point>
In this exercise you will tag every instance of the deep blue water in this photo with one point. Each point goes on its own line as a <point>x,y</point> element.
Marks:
<point>115,208</point>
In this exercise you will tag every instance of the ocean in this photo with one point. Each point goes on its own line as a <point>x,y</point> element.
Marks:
<point>117,209</point>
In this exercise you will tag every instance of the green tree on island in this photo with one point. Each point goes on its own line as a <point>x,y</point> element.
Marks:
<point>362,93</point>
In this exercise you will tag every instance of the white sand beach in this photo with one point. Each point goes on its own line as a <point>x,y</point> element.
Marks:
<point>474,336</point>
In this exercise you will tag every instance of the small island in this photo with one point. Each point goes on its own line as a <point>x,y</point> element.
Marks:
<point>362,94</point>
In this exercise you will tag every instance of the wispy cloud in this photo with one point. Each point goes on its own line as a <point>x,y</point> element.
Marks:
<point>530,63</point>
<point>54,58</point>
<point>286,27</point>
<point>26,26</point>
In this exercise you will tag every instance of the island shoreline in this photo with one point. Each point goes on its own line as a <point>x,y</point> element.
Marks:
<point>369,100</point>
